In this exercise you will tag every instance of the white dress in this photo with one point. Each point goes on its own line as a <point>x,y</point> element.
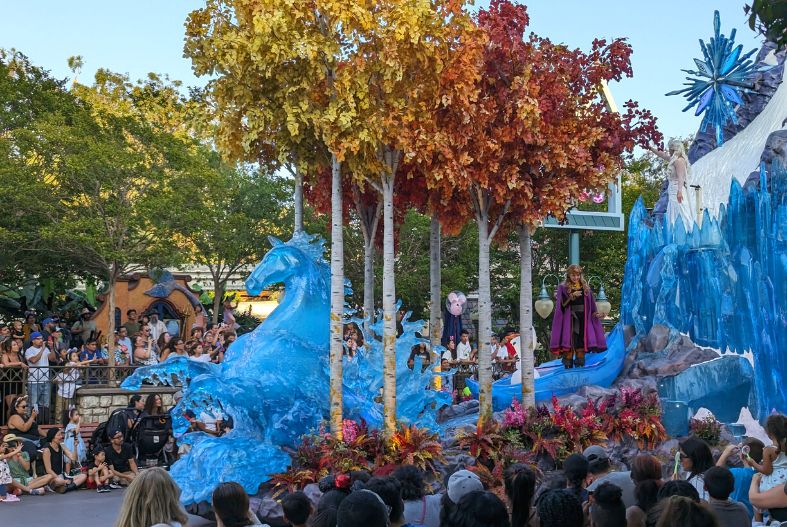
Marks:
<point>683,209</point>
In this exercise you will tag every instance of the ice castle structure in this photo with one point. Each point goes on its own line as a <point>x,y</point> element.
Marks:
<point>724,283</point>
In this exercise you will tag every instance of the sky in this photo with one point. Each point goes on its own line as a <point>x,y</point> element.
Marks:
<point>147,35</point>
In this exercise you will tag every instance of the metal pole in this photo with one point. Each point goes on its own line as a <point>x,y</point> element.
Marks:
<point>573,247</point>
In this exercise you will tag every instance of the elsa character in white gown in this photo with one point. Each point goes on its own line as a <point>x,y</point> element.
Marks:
<point>679,205</point>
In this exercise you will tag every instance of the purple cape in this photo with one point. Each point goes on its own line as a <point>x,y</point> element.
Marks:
<point>561,325</point>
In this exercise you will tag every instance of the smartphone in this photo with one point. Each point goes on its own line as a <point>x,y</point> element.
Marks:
<point>35,408</point>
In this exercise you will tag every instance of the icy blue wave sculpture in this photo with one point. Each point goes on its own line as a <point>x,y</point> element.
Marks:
<point>724,283</point>
<point>720,78</point>
<point>274,382</point>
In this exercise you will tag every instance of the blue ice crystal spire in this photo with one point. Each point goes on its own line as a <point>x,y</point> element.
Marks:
<point>721,78</point>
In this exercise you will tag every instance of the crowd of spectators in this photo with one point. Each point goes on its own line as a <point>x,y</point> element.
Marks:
<point>48,358</point>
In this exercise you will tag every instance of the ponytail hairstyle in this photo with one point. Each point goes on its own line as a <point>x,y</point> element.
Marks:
<point>520,485</point>
<point>776,426</point>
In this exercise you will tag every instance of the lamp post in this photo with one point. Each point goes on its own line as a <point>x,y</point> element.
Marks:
<point>544,303</point>
<point>602,303</point>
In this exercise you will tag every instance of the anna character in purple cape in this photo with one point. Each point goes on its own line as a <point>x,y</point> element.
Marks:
<point>576,328</point>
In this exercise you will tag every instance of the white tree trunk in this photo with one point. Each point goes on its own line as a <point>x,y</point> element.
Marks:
<point>368,285</point>
<point>337,298</point>
<point>389,309</point>
<point>298,200</point>
<point>435,282</point>
<point>526,317</point>
<point>484,320</point>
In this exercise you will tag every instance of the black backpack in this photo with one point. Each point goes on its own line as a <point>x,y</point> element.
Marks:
<point>118,420</point>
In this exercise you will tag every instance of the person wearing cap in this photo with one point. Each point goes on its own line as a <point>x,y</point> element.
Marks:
<point>38,357</point>
<point>461,483</point>
<point>84,328</point>
<point>19,465</point>
<point>600,471</point>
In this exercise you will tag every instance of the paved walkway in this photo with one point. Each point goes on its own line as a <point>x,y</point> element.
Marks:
<point>82,508</point>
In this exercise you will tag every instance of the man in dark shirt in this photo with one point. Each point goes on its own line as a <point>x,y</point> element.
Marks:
<point>120,459</point>
<point>719,483</point>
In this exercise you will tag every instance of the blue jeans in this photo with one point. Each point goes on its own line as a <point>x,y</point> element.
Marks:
<point>38,392</point>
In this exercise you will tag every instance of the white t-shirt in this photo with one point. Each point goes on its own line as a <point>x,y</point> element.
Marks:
<point>67,382</point>
<point>500,352</point>
<point>447,355</point>
<point>463,350</point>
<point>39,371</point>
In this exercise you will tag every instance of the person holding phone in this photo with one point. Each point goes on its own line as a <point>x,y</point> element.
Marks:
<point>98,475</point>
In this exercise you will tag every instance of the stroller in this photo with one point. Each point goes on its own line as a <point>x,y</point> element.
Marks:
<point>149,437</point>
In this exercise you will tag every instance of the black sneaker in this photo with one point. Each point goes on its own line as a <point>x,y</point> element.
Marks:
<point>114,485</point>
<point>104,488</point>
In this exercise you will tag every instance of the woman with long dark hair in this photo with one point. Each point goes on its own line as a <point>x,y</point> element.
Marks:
<point>696,458</point>
<point>520,485</point>
<point>153,405</point>
<point>231,505</point>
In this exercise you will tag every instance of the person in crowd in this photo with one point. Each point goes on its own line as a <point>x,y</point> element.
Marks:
<point>152,500</point>
<point>230,336</point>
<point>200,317</point>
<point>123,339</point>
<point>450,351</point>
<point>19,466</point>
<point>84,329</point>
<point>459,483</point>
<point>231,505</point>
<point>58,461</point>
<point>214,346</point>
<point>671,488</point>
<point>600,471</point>
<point>6,481</point>
<point>132,324</point>
<point>134,409</point>
<point>66,381</point>
<point>122,352</point>
<point>390,490</point>
<point>25,426</point>
<point>57,344</point>
<point>696,458</point>
<point>719,484</point>
<point>11,358</point>
<point>73,437</point>
<point>197,334</point>
<point>775,499</point>
<point>5,332</point>
<point>38,357</point>
<point>162,340</point>
<point>559,508</point>
<point>419,350</point>
<point>30,326</point>
<point>175,347</point>
<point>297,508</point>
<point>479,509</point>
<point>153,405</point>
<point>120,458</point>
<point>646,476</point>
<point>679,511</point>
<point>98,474</point>
<point>774,457</point>
<point>751,448</point>
<point>228,316</point>
<point>196,350</point>
<point>464,350</point>
<point>143,350</point>
<point>362,508</point>
<point>419,508</point>
<point>575,469</point>
<point>157,327</point>
<point>606,507</point>
<point>92,354</point>
<point>520,485</point>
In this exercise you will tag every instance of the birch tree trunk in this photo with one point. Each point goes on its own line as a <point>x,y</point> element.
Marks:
<point>526,317</point>
<point>389,311</point>
<point>298,199</point>
<point>337,298</point>
<point>435,283</point>
<point>484,320</point>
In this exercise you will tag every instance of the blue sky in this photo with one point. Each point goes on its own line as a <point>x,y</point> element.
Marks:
<point>146,35</point>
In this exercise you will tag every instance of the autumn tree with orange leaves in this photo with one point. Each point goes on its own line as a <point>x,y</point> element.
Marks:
<point>528,136</point>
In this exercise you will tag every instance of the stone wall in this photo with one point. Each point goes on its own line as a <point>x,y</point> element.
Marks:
<point>97,403</point>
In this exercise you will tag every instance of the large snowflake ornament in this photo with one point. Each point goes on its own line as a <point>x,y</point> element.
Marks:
<point>721,78</point>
